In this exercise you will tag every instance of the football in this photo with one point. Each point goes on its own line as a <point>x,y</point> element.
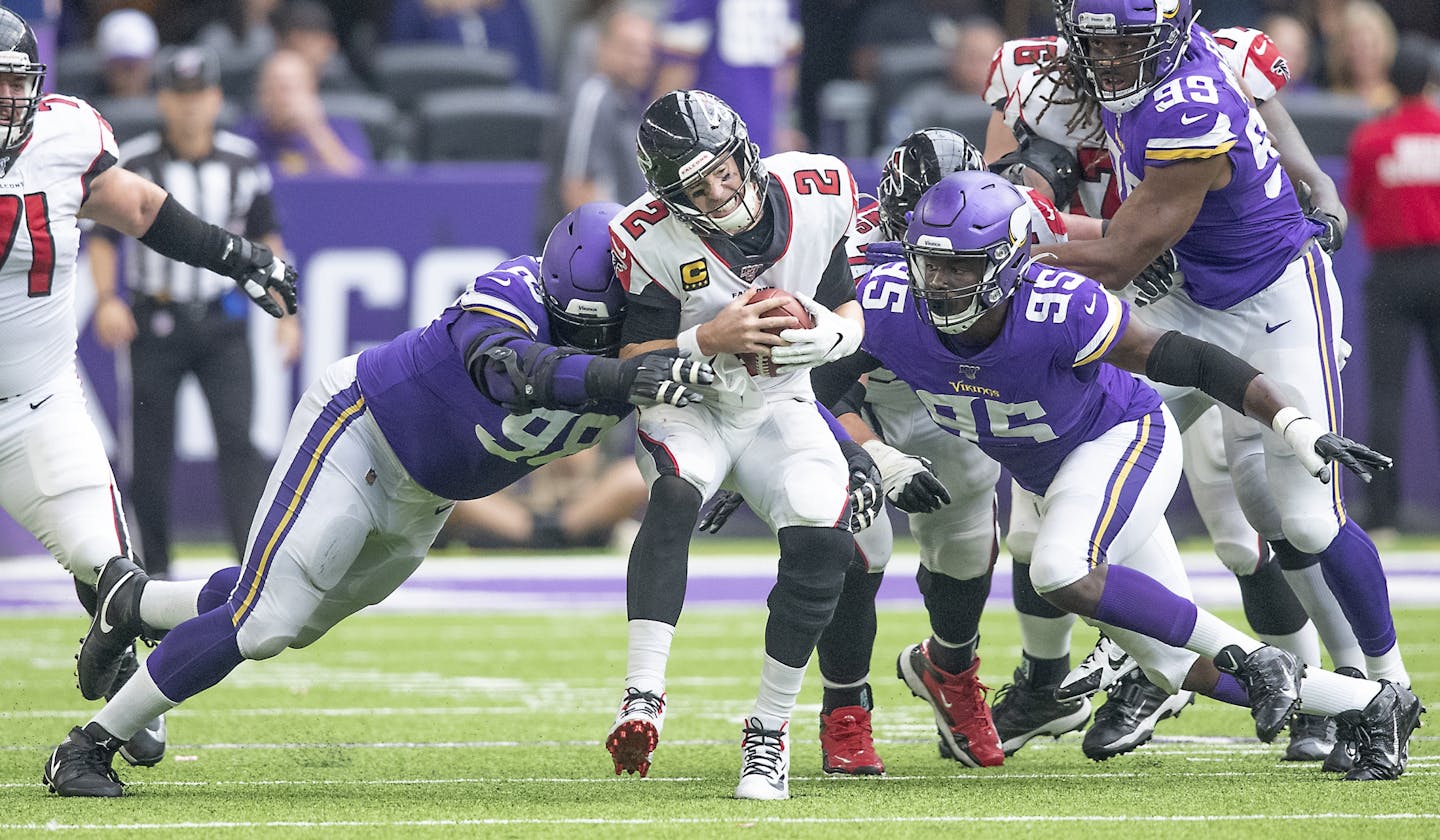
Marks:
<point>759,364</point>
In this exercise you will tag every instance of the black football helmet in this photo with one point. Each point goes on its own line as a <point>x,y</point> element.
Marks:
<point>917,164</point>
<point>19,56</point>
<point>684,135</point>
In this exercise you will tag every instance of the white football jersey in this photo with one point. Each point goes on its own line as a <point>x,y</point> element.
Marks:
<point>651,246</point>
<point>40,193</point>
<point>1023,93</point>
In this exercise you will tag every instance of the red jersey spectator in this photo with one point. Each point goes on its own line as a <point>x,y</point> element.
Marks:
<point>1395,192</point>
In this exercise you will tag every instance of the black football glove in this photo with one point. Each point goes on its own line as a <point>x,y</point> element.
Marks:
<point>1157,279</point>
<point>257,270</point>
<point>910,483</point>
<point>1333,237</point>
<point>867,488</point>
<point>651,379</point>
<point>725,503</point>
<point>1355,457</point>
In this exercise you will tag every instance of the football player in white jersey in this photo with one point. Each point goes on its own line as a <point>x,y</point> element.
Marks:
<point>57,164</point>
<point>718,225</point>
<point>1063,145</point>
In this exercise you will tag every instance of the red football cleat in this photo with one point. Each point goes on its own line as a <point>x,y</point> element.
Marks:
<point>846,745</point>
<point>962,716</point>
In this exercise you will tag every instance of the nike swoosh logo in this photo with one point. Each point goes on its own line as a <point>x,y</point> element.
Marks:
<point>1090,307</point>
<point>443,508</point>
<point>1271,329</point>
<point>36,405</point>
<point>1189,120</point>
<point>105,626</point>
<point>54,771</point>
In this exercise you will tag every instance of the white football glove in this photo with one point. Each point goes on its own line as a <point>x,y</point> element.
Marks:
<point>833,337</point>
<point>1316,447</point>
<point>910,484</point>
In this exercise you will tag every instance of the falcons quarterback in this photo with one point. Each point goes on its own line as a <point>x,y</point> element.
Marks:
<point>57,165</point>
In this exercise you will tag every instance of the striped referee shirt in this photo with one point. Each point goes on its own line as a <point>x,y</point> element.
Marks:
<point>230,187</point>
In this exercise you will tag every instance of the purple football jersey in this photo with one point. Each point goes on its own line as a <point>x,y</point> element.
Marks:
<point>1247,231</point>
<point>454,440</point>
<point>1034,394</point>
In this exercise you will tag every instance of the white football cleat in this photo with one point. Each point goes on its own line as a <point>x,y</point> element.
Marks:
<point>1101,668</point>
<point>636,732</point>
<point>764,761</point>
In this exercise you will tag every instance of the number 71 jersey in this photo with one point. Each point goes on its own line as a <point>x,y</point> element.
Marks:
<point>1035,393</point>
<point>41,189</point>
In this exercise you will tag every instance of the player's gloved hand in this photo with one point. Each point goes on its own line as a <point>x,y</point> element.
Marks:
<point>879,253</point>
<point>910,483</point>
<point>257,270</point>
<point>725,503</point>
<point>651,379</point>
<point>867,488</point>
<point>1333,237</point>
<point>833,337</point>
<point>1157,279</point>
<point>1317,447</point>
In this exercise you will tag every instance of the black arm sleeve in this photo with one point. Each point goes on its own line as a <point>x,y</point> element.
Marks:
<point>836,284</point>
<point>1178,359</point>
<point>652,315</point>
<point>181,235</point>
<point>852,401</point>
<point>832,381</point>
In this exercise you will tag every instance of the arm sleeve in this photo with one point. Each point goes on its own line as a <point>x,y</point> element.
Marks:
<point>652,315</point>
<point>832,381</point>
<point>1178,359</point>
<point>513,369</point>
<point>837,284</point>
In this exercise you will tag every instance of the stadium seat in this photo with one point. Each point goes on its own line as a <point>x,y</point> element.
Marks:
<point>484,124</point>
<point>845,111</point>
<point>407,72</point>
<point>389,131</point>
<point>900,69</point>
<point>237,77</point>
<point>936,105</point>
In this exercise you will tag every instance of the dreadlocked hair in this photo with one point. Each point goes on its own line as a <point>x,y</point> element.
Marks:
<point>1058,69</point>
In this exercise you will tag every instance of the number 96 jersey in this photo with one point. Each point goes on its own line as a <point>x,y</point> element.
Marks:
<point>812,199</point>
<point>41,189</point>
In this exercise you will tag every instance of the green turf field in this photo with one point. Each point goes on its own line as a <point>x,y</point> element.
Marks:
<point>490,725</point>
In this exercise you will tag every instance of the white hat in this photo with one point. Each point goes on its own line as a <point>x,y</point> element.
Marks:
<point>126,33</point>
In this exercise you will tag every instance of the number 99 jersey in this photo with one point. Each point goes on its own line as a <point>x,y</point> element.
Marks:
<point>42,187</point>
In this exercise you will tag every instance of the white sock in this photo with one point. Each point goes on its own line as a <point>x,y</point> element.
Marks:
<point>779,689</point>
<point>649,652</point>
<point>1388,666</point>
<point>1309,586</point>
<point>1304,643</point>
<point>136,704</point>
<point>1211,635</point>
<point>165,604</point>
<point>1328,693</point>
<point>1046,638</point>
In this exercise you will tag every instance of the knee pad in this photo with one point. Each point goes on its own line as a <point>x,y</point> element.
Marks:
<point>1310,533</point>
<point>1054,566</point>
<point>1240,559</point>
<point>266,646</point>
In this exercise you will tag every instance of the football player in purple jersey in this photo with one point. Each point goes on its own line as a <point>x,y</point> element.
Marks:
<point>517,372</point>
<point>1198,174</point>
<point>1011,353</point>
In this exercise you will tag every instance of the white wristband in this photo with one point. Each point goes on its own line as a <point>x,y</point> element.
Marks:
<point>689,343</point>
<point>1284,417</point>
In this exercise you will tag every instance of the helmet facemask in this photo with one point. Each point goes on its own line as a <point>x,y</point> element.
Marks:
<point>1122,57</point>
<point>738,214</point>
<point>915,165</point>
<point>17,113</point>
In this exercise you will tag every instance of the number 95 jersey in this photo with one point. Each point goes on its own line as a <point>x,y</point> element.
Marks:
<point>1035,393</point>
<point>812,199</point>
<point>41,189</point>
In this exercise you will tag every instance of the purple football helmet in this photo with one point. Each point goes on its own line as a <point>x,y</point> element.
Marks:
<point>968,242</point>
<point>583,296</point>
<point>1123,49</point>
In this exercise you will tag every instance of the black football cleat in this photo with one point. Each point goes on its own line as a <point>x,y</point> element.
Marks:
<point>1133,706</point>
<point>1271,677</point>
<point>1342,756</point>
<point>1023,710</point>
<point>80,766</point>
<point>1381,733</point>
<point>113,629</point>
<point>147,748</point>
<point>1312,738</point>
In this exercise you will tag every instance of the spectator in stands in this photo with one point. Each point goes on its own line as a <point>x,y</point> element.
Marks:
<point>290,125</point>
<point>1395,193</point>
<point>308,28</point>
<point>127,40</point>
<point>966,72</point>
<point>1292,38</point>
<point>743,52</point>
<point>598,156</point>
<point>1361,53</point>
<point>248,37</point>
<point>502,25</point>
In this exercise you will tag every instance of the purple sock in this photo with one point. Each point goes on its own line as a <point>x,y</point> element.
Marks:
<point>1135,601</point>
<point>1351,565</point>
<point>196,655</point>
<point>1229,690</point>
<point>217,589</point>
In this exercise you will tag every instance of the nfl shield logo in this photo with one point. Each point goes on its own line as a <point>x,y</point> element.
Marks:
<point>969,371</point>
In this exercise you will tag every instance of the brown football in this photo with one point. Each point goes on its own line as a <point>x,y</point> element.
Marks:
<point>759,364</point>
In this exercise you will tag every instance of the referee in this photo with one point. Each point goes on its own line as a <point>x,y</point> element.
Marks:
<point>182,319</point>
